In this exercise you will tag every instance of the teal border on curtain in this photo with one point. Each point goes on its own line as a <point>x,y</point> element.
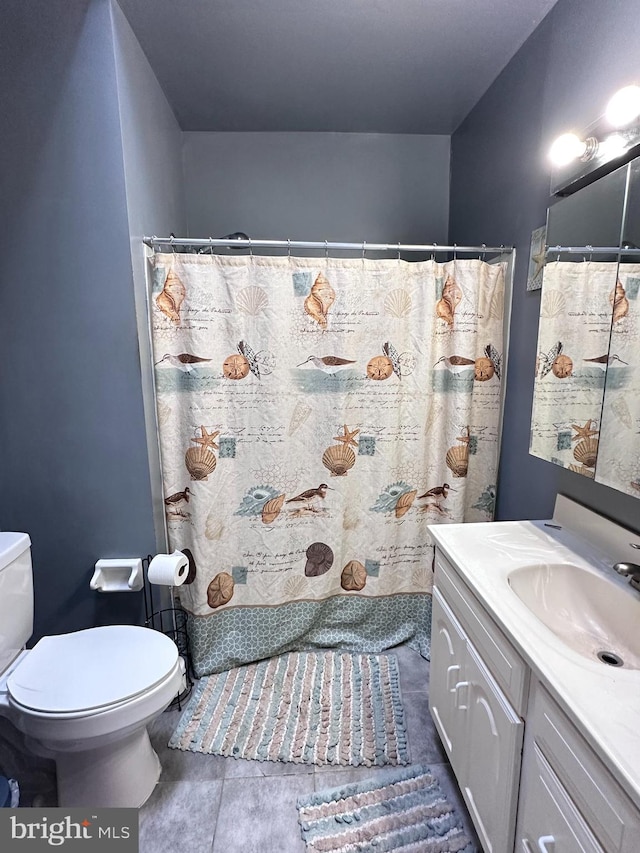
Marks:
<point>241,635</point>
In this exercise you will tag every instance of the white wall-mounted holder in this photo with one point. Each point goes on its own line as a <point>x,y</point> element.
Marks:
<point>121,575</point>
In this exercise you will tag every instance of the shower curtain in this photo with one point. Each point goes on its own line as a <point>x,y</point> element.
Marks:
<point>315,416</point>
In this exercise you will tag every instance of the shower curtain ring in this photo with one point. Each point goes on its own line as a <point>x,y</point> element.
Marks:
<point>211,245</point>
<point>171,239</point>
<point>455,251</point>
<point>364,248</point>
<point>288,247</point>
<point>326,250</point>
<point>484,252</point>
<point>250,247</point>
<point>398,250</point>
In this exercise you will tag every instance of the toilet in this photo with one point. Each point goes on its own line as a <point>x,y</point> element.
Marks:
<point>84,699</point>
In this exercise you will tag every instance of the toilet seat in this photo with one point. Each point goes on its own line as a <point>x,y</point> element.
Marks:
<point>91,670</point>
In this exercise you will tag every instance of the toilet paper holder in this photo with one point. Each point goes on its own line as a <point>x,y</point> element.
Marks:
<point>118,575</point>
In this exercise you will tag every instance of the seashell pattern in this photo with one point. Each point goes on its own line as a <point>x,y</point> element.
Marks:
<point>457,460</point>
<point>496,306</point>
<point>553,304</point>
<point>379,367</point>
<point>447,304</point>
<point>200,462</point>
<point>354,576</point>
<point>483,369</point>
<point>213,527</point>
<point>404,503</point>
<point>252,300</point>
<point>220,590</point>
<point>620,409</point>
<point>580,469</point>
<point>164,413</point>
<point>320,300</point>
<point>299,415</point>
<point>294,586</point>
<point>562,367</point>
<point>271,510</point>
<point>398,303</point>
<point>586,452</point>
<point>319,559</point>
<point>339,459</point>
<point>618,298</point>
<point>236,366</point>
<point>388,499</point>
<point>171,297</point>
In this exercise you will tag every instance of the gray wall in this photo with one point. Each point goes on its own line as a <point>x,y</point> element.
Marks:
<point>561,78</point>
<point>152,149</point>
<point>318,186</point>
<point>72,442</point>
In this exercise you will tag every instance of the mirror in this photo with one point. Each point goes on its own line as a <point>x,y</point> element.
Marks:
<point>618,463</point>
<point>576,311</point>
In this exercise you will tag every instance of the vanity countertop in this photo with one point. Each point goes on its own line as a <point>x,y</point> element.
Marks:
<point>602,701</point>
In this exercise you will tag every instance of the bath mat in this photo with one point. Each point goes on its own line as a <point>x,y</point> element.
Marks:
<point>304,707</point>
<point>400,810</point>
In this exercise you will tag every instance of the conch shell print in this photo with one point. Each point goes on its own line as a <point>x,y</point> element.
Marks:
<point>319,301</point>
<point>451,298</point>
<point>171,297</point>
<point>618,298</point>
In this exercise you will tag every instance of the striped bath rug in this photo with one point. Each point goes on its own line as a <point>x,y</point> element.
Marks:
<point>304,707</point>
<point>400,810</point>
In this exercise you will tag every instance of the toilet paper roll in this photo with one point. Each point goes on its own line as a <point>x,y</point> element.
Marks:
<point>169,569</point>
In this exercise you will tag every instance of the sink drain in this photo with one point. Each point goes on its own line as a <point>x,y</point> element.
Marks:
<point>610,658</point>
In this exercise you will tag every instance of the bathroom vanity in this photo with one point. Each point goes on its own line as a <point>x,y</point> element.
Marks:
<point>535,680</point>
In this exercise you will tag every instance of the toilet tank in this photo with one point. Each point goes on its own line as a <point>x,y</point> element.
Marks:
<point>16,595</point>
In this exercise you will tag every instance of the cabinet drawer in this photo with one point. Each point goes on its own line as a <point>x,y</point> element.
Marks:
<point>611,815</point>
<point>547,818</point>
<point>505,664</point>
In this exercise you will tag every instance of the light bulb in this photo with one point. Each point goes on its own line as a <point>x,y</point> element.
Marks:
<point>566,148</point>
<point>613,146</point>
<point>624,106</point>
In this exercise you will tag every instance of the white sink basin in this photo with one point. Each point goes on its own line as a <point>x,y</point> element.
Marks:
<point>586,611</point>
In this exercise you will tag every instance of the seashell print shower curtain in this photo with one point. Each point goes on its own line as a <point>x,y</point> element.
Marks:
<point>315,416</point>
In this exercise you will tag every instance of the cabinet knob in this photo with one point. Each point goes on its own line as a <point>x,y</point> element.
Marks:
<point>546,844</point>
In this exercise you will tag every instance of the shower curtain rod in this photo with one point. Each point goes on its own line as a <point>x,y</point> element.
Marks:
<point>322,244</point>
<point>592,250</point>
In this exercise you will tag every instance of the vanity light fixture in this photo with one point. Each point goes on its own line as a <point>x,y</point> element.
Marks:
<point>608,143</point>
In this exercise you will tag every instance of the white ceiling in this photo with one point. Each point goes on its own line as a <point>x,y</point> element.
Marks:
<point>386,66</point>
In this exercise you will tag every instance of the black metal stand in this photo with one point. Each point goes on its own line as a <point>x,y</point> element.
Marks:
<point>171,621</point>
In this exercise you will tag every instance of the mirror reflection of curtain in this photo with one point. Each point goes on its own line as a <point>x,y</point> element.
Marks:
<point>315,416</point>
<point>573,353</point>
<point>618,457</point>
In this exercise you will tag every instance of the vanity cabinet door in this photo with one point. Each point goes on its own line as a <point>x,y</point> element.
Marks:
<point>548,821</point>
<point>448,654</point>
<point>494,733</point>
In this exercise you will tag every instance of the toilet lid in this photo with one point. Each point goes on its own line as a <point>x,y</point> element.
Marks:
<point>91,669</point>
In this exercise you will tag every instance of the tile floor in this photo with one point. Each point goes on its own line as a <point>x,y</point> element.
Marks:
<point>211,804</point>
